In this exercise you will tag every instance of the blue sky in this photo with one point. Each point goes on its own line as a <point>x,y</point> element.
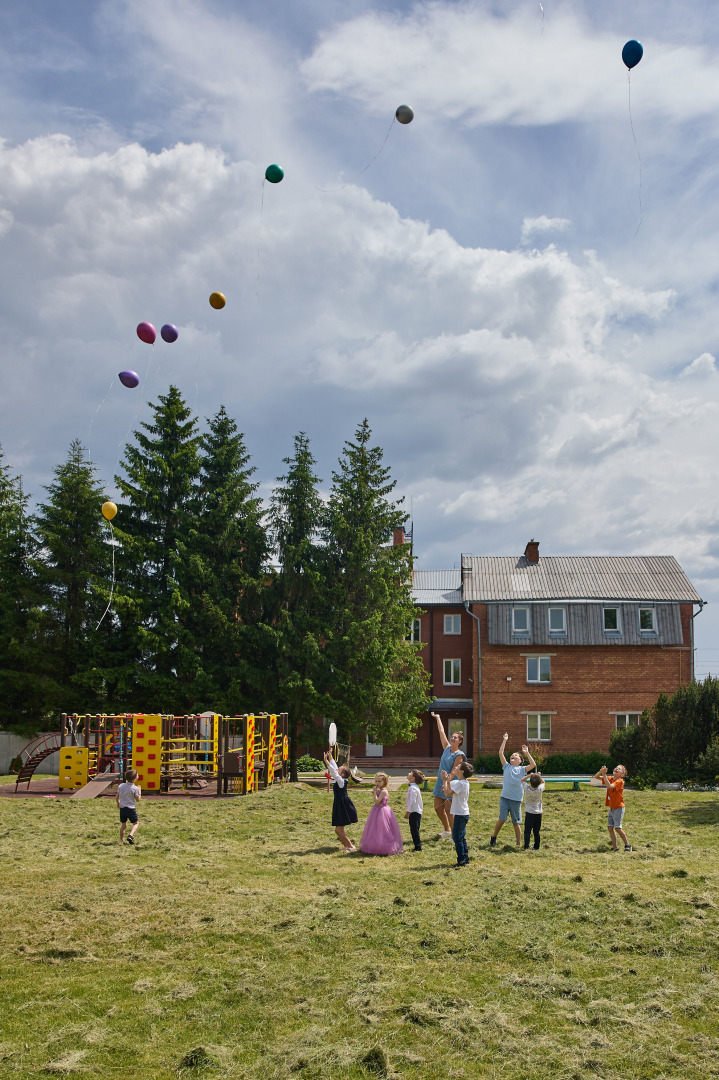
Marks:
<point>531,333</point>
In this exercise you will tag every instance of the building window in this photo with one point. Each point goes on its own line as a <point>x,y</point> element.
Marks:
<point>539,727</point>
<point>627,719</point>
<point>647,624</point>
<point>452,624</point>
<point>557,620</point>
<point>452,672</point>
<point>520,620</point>
<point>538,669</point>
<point>414,630</point>
<point>612,622</point>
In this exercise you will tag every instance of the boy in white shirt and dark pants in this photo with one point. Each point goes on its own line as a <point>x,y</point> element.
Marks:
<point>456,786</point>
<point>414,806</point>
<point>128,795</point>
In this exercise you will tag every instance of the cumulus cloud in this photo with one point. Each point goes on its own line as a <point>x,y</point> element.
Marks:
<point>543,224</point>
<point>702,366</point>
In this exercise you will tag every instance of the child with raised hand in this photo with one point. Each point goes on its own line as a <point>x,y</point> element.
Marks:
<point>127,797</point>
<point>510,801</point>
<point>615,802</point>
<point>381,834</point>
<point>343,809</point>
<point>534,786</point>
<point>414,806</point>
<point>456,787</point>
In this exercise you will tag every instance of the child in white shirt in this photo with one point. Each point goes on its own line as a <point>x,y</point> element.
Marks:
<point>414,806</point>
<point>128,794</point>
<point>456,786</point>
<point>533,808</point>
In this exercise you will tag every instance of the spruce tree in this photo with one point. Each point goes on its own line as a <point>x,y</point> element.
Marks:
<point>157,663</point>
<point>75,566</point>
<point>378,683</point>
<point>225,562</point>
<point>23,669</point>
<point>299,629</point>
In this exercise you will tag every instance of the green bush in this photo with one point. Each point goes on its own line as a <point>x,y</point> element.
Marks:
<point>707,766</point>
<point>487,763</point>
<point>632,747</point>
<point>658,774</point>
<point>309,764</point>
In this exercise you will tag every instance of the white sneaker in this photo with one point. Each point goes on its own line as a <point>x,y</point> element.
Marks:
<point>446,835</point>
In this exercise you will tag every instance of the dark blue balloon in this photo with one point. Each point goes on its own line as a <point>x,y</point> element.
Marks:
<point>632,53</point>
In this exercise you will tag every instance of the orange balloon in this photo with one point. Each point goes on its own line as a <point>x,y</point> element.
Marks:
<point>109,510</point>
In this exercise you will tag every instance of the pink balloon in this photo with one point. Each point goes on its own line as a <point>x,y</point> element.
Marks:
<point>146,332</point>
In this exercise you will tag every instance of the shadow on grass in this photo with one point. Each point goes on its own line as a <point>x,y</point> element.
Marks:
<point>699,813</point>
<point>325,850</point>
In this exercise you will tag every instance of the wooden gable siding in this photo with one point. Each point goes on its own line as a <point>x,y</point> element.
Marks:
<point>585,625</point>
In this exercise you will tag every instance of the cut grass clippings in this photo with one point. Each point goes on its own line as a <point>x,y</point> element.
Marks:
<point>235,940</point>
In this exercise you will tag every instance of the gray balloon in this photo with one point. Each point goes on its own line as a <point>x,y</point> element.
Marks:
<point>405,114</point>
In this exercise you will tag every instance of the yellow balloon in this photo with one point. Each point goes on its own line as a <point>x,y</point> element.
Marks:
<point>217,300</point>
<point>109,510</point>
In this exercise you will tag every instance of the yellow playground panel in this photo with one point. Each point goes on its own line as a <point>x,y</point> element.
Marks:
<point>73,772</point>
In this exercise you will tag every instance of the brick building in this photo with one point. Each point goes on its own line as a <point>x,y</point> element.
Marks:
<point>557,650</point>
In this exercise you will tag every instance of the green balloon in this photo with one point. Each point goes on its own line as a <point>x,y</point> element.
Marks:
<point>274,174</point>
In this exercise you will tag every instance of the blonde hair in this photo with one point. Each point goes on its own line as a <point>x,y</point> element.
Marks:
<point>381,779</point>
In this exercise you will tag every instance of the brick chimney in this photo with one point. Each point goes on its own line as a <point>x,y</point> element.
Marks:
<point>398,536</point>
<point>531,552</point>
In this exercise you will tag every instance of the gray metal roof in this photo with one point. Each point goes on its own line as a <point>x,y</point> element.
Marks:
<point>437,587</point>
<point>591,577</point>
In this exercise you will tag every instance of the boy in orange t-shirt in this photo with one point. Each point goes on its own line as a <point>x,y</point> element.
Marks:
<point>615,802</point>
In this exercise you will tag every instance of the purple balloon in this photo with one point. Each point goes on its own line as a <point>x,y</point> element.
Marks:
<point>147,333</point>
<point>129,379</point>
<point>169,333</point>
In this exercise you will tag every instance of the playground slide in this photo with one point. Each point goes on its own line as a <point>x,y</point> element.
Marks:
<point>95,787</point>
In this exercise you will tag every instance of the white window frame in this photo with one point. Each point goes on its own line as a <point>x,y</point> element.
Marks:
<point>453,621</point>
<point>415,631</point>
<point>564,620</point>
<point>528,628</point>
<point>648,629</point>
<point>456,669</point>
<point>538,717</point>
<point>612,607</point>
<point>539,681</point>
<point>625,717</point>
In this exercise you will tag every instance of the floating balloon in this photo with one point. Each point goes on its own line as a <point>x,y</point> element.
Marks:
<point>217,300</point>
<point>109,510</point>
<point>169,333</point>
<point>632,54</point>
<point>147,333</point>
<point>130,379</point>
<point>274,174</point>
<point>405,114</point>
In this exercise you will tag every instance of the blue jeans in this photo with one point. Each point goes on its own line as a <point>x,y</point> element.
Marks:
<point>460,842</point>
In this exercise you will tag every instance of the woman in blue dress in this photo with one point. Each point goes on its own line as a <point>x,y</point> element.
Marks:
<point>450,751</point>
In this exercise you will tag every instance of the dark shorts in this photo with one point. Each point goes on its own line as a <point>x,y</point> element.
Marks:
<point>128,814</point>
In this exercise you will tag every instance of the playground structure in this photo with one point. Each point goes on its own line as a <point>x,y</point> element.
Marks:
<point>239,753</point>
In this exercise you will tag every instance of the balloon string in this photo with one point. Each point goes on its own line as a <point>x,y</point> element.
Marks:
<point>112,590</point>
<point>259,238</point>
<point>362,171</point>
<point>89,430</point>
<point>542,11</point>
<point>639,156</point>
<point>133,422</point>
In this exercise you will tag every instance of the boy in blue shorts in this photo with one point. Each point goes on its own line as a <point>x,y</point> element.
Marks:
<point>510,801</point>
<point>128,794</point>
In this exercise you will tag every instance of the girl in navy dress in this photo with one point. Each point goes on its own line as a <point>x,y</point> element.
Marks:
<point>343,809</point>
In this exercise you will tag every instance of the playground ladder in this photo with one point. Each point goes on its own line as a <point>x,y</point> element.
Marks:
<point>34,753</point>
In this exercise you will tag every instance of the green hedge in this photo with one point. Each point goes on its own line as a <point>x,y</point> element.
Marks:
<point>559,764</point>
<point>309,764</point>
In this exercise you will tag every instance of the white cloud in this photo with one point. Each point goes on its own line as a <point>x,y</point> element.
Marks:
<point>543,224</point>
<point>702,366</point>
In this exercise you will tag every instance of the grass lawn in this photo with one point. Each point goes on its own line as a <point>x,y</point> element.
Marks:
<point>234,940</point>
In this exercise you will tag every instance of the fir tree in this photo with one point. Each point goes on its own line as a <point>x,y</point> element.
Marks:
<point>157,665</point>
<point>75,566</point>
<point>296,515</point>
<point>378,683</point>
<point>225,560</point>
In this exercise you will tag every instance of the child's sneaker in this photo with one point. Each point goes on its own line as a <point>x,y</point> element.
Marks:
<point>628,847</point>
<point>131,839</point>
<point>493,841</point>
<point>446,835</point>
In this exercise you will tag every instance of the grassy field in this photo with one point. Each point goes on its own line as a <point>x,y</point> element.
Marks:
<point>236,941</point>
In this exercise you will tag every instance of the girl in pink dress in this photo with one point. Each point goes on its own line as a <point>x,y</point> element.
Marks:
<point>381,834</point>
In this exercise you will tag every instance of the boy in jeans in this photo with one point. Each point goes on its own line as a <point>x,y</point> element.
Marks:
<point>615,802</point>
<point>510,801</point>
<point>456,787</point>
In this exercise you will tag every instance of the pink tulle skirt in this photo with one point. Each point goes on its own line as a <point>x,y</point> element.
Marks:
<point>381,834</point>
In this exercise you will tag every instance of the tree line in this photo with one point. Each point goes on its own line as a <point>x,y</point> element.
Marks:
<point>216,601</point>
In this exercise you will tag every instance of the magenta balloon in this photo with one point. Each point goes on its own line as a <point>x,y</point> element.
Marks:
<point>146,332</point>
<point>129,379</point>
<point>169,333</point>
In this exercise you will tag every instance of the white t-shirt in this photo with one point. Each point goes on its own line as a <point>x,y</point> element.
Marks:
<point>460,798</point>
<point>127,794</point>
<point>414,800</point>
<point>533,799</point>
